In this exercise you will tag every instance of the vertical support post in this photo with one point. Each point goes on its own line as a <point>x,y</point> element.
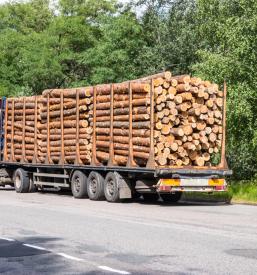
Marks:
<point>130,162</point>
<point>12,133</point>
<point>223,145</point>
<point>5,130</point>
<point>111,161</point>
<point>35,157</point>
<point>62,157</point>
<point>94,160</point>
<point>23,159</point>
<point>1,128</point>
<point>151,162</point>
<point>77,160</point>
<point>48,149</point>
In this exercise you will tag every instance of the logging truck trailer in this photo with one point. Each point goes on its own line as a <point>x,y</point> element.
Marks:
<point>95,180</point>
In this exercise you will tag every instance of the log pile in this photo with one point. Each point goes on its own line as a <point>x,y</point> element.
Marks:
<point>112,123</point>
<point>188,117</point>
<point>113,126</point>
<point>21,114</point>
<point>76,143</point>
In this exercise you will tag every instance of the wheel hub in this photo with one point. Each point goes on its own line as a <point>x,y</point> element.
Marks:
<point>77,184</point>
<point>93,186</point>
<point>110,187</point>
<point>18,181</point>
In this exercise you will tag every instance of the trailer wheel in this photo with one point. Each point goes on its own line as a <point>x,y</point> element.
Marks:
<point>95,186</point>
<point>150,197</point>
<point>21,181</point>
<point>79,185</point>
<point>172,198</point>
<point>111,187</point>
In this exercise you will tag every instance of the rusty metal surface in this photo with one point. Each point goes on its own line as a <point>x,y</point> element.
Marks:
<point>23,159</point>
<point>5,131</point>
<point>94,160</point>
<point>131,162</point>
<point>111,161</point>
<point>223,162</point>
<point>151,162</point>
<point>12,133</point>
<point>35,160</point>
<point>77,160</point>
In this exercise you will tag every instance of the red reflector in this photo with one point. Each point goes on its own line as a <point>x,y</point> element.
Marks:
<point>165,188</point>
<point>218,188</point>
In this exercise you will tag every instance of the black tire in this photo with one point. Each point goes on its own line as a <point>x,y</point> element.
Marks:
<point>150,197</point>
<point>79,185</point>
<point>21,181</point>
<point>111,187</point>
<point>171,198</point>
<point>95,186</point>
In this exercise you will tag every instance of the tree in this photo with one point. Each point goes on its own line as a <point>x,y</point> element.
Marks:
<point>228,29</point>
<point>115,56</point>
<point>170,32</point>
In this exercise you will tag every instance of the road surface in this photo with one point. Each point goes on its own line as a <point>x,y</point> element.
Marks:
<point>54,233</point>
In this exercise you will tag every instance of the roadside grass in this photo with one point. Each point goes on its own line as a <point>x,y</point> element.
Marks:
<point>238,192</point>
<point>244,191</point>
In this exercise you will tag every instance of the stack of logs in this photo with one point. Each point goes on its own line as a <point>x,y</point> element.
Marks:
<point>20,122</point>
<point>77,146</point>
<point>188,117</point>
<point>113,123</point>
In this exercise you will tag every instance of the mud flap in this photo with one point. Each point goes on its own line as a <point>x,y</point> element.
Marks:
<point>124,189</point>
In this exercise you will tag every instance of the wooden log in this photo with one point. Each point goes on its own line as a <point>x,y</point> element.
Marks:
<point>69,148</point>
<point>140,117</point>
<point>123,104</point>
<point>20,138</point>
<point>177,132</point>
<point>164,75</point>
<point>183,88</point>
<point>83,92</point>
<point>199,161</point>
<point>124,132</point>
<point>166,129</point>
<point>125,140</point>
<point>182,78</point>
<point>141,155</point>
<point>124,124</point>
<point>71,142</point>
<point>117,158</point>
<point>122,146</point>
<point>124,111</point>
<point>67,124</point>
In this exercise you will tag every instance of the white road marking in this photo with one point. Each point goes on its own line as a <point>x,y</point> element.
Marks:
<point>103,267</point>
<point>7,239</point>
<point>70,257</point>
<point>107,268</point>
<point>35,246</point>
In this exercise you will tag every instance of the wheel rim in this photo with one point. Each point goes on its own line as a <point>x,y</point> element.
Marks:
<point>77,184</point>
<point>93,186</point>
<point>110,187</point>
<point>18,181</point>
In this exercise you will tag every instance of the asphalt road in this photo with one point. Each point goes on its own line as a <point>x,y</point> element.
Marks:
<point>53,233</point>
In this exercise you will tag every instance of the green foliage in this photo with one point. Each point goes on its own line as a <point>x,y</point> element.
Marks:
<point>170,35</point>
<point>228,29</point>
<point>115,55</point>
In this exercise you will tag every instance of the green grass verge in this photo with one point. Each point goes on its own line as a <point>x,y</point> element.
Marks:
<point>243,191</point>
<point>238,192</point>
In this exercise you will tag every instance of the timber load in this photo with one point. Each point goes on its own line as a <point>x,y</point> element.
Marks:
<point>156,121</point>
